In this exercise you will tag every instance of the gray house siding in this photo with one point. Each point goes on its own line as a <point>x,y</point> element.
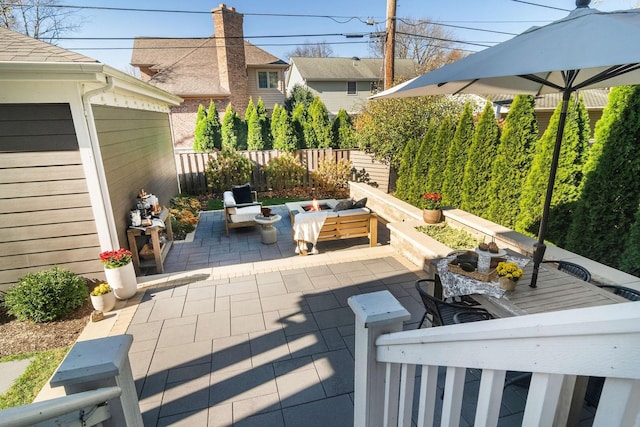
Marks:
<point>137,152</point>
<point>45,211</point>
<point>335,97</point>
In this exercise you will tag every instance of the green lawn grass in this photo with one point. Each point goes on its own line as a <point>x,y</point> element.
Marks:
<point>27,386</point>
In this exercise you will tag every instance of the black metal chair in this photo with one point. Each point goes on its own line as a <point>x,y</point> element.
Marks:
<point>572,268</point>
<point>445,313</point>
<point>623,291</point>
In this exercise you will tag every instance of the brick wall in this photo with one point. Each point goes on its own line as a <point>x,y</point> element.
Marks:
<point>183,119</point>
<point>230,41</point>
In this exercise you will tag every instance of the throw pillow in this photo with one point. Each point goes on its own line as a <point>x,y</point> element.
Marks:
<point>360,203</point>
<point>242,194</point>
<point>343,205</point>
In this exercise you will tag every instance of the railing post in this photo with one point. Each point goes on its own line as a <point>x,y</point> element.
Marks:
<point>99,363</point>
<point>376,313</point>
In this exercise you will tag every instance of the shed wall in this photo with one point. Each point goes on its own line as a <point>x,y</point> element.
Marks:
<point>137,152</point>
<point>46,217</point>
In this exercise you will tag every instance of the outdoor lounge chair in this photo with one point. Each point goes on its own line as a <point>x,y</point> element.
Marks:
<point>572,268</point>
<point>623,291</point>
<point>446,313</point>
<point>240,207</point>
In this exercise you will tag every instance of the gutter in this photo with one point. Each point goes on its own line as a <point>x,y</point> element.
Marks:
<point>104,214</point>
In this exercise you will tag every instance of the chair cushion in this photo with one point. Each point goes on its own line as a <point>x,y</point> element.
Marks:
<point>248,213</point>
<point>360,203</point>
<point>343,205</point>
<point>350,212</point>
<point>242,193</point>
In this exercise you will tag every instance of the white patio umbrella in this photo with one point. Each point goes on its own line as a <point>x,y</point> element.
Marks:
<point>587,49</point>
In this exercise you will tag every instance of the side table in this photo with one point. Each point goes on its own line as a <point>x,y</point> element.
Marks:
<point>160,249</point>
<point>268,232</point>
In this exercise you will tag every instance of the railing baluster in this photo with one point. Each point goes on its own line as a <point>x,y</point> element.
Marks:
<point>618,403</point>
<point>407,381</point>
<point>489,397</point>
<point>391,394</point>
<point>542,399</point>
<point>452,400</point>
<point>427,398</point>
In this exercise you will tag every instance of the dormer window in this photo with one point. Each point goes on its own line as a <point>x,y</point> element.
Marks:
<point>267,80</point>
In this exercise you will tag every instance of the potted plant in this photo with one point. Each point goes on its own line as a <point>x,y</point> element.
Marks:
<point>509,273</point>
<point>118,269</point>
<point>431,204</point>
<point>103,298</point>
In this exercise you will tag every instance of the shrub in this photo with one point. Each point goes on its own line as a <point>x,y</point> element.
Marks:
<point>284,171</point>
<point>46,295</point>
<point>333,175</point>
<point>185,214</point>
<point>228,168</point>
<point>452,237</point>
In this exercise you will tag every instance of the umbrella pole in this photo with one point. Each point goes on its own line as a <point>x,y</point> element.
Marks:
<point>539,246</point>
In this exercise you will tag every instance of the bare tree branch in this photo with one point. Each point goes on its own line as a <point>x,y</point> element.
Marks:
<point>38,18</point>
<point>312,50</point>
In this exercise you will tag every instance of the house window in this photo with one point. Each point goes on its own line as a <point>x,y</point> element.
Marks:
<point>267,79</point>
<point>351,88</point>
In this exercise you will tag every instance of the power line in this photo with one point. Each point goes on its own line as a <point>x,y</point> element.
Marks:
<point>542,5</point>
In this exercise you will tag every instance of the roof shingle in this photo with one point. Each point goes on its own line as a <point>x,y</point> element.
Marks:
<point>16,47</point>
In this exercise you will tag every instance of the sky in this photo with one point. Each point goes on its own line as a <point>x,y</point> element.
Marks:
<point>265,26</point>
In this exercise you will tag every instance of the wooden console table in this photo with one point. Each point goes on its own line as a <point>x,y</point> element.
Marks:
<point>160,249</point>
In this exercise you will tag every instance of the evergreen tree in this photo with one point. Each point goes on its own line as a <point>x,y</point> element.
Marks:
<point>265,124</point>
<point>438,157</point>
<point>230,131</point>
<point>457,159</point>
<point>254,129</point>
<point>405,172</point>
<point>300,127</point>
<point>568,177</point>
<point>343,132</point>
<point>284,137</point>
<point>630,259</point>
<point>319,125</point>
<point>513,161</point>
<point>299,96</point>
<point>477,172</point>
<point>611,191</point>
<point>207,136</point>
<point>418,185</point>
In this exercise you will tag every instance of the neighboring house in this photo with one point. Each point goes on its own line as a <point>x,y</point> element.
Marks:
<point>344,83</point>
<point>78,139</point>
<point>594,100</point>
<point>223,68</point>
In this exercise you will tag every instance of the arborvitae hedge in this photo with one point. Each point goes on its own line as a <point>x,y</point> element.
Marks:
<point>254,129</point>
<point>234,130</point>
<point>457,159</point>
<point>569,174</point>
<point>319,125</point>
<point>284,137</point>
<point>207,133</point>
<point>343,132</point>
<point>630,259</point>
<point>421,167</point>
<point>438,156</point>
<point>513,161</point>
<point>405,172</point>
<point>265,125</point>
<point>610,195</point>
<point>477,172</point>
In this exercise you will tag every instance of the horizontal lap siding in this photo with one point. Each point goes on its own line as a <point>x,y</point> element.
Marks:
<point>45,211</point>
<point>137,152</point>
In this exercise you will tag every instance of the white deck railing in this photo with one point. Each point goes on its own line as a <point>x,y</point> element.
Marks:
<point>560,348</point>
<point>88,408</point>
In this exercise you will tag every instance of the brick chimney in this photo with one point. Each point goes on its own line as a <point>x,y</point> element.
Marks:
<point>230,49</point>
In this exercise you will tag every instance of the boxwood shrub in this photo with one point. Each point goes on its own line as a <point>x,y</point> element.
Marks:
<point>46,295</point>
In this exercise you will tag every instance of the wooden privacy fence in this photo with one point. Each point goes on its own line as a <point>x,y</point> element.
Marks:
<point>191,167</point>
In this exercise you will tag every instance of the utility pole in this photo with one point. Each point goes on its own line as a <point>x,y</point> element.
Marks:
<point>390,44</point>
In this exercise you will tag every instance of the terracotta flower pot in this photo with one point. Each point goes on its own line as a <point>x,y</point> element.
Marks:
<point>432,216</point>
<point>507,284</point>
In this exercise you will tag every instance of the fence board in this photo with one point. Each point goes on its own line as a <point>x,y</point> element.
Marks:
<point>191,167</point>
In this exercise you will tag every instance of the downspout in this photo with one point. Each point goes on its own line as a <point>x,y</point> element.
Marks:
<point>97,158</point>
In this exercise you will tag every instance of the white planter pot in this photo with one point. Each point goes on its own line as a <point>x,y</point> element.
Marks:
<point>122,280</point>
<point>104,302</point>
